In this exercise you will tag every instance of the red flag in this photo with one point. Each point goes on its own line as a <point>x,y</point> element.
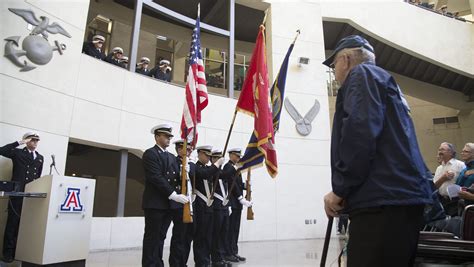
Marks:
<point>255,101</point>
<point>196,90</point>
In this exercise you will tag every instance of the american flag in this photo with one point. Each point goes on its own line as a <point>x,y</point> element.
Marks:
<point>196,90</point>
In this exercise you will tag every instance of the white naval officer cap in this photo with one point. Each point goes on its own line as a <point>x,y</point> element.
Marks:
<point>162,128</point>
<point>216,153</point>
<point>31,135</point>
<point>145,60</point>
<point>180,142</point>
<point>206,149</point>
<point>117,50</point>
<point>164,61</point>
<point>98,37</point>
<point>236,151</point>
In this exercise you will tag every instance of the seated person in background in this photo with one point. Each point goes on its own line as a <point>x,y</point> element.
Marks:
<point>94,47</point>
<point>466,177</point>
<point>142,66</point>
<point>115,56</point>
<point>446,174</point>
<point>162,71</point>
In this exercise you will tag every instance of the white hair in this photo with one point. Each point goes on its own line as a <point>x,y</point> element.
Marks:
<point>471,146</point>
<point>359,55</point>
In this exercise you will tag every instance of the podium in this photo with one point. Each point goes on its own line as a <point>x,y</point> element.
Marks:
<point>55,231</point>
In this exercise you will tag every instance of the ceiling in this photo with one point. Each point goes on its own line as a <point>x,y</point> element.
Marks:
<point>213,12</point>
<point>397,61</point>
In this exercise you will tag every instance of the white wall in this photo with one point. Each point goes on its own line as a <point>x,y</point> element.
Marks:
<point>76,96</point>
<point>438,39</point>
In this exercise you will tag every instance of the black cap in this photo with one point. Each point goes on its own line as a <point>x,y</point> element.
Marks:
<point>351,41</point>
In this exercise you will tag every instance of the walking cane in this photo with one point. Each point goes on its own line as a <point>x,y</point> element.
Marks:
<point>326,242</point>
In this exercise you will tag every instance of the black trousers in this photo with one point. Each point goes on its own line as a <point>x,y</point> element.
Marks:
<point>157,223</point>
<point>233,232</point>
<point>12,226</point>
<point>219,234</point>
<point>203,236</point>
<point>178,257</point>
<point>188,238</point>
<point>384,236</point>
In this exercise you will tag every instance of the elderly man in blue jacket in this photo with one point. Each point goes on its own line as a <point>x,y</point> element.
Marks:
<point>378,174</point>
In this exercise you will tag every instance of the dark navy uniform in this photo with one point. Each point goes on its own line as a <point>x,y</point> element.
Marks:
<point>221,216</point>
<point>161,176</point>
<point>26,168</point>
<point>88,48</point>
<point>180,243</point>
<point>143,71</point>
<point>158,74</point>
<point>110,58</point>
<point>203,215</point>
<point>232,238</point>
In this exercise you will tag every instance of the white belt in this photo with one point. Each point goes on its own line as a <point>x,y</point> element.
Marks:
<point>219,197</point>
<point>201,196</point>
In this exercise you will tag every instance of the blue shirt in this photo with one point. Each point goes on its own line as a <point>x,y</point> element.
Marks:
<point>375,157</point>
<point>466,180</point>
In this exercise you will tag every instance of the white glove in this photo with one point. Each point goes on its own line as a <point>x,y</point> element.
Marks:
<point>230,211</point>
<point>245,202</point>
<point>236,167</point>
<point>186,168</point>
<point>178,198</point>
<point>219,162</point>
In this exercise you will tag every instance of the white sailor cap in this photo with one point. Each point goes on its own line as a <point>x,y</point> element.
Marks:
<point>162,128</point>
<point>145,60</point>
<point>117,50</point>
<point>236,151</point>
<point>164,61</point>
<point>180,142</point>
<point>32,135</point>
<point>124,59</point>
<point>98,37</point>
<point>206,149</point>
<point>216,153</point>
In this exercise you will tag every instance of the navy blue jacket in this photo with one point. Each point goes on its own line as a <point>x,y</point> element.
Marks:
<point>161,174</point>
<point>375,157</point>
<point>25,169</point>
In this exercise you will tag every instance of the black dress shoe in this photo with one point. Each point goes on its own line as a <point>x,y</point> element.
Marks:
<point>239,257</point>
<point>220,264</point>
<point>231,258</point>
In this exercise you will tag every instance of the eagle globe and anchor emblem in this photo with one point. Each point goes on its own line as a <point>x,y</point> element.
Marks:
<point>35,46</point>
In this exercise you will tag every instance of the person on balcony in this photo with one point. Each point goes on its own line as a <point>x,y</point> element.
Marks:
<point>162,71</point>
<point>142,66</point>
<point>115,57</point>
<point>94,47</point>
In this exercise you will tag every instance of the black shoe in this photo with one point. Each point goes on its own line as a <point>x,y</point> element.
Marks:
<point>231,258</point>
<point>219,264</point>
<point>8,259</point>
<point>239,257</point>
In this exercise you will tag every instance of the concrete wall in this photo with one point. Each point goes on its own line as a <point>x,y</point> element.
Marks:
<point>437,39</point>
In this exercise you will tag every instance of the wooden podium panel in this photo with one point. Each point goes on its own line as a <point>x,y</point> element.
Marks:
<point>56,229</point>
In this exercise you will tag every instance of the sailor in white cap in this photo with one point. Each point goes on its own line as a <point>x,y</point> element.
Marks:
<point>27,167</point>
<point>236,201</point>
<point>203,206</point>
<point>162,198</point>
<point>162,71</point>
<point>115,57</point>
<point>142,66</point>
<point>94,48</point>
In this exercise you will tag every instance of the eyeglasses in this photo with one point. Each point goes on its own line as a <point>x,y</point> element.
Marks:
<point>333,64</point>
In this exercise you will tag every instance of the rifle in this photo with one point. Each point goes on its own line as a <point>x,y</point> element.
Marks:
<point>187,209</point>
<point>248,196</point>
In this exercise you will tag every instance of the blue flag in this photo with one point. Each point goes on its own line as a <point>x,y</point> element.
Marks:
<point>254,157</point>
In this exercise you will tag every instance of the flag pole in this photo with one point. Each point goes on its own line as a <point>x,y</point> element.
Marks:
<point>296,37</point>
<point>327,238</point>
<point>187,216</point>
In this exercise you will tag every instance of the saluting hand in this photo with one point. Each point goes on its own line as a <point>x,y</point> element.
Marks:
<point>219,162</point>
<point>333,204</point>
<point>24,141</point>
